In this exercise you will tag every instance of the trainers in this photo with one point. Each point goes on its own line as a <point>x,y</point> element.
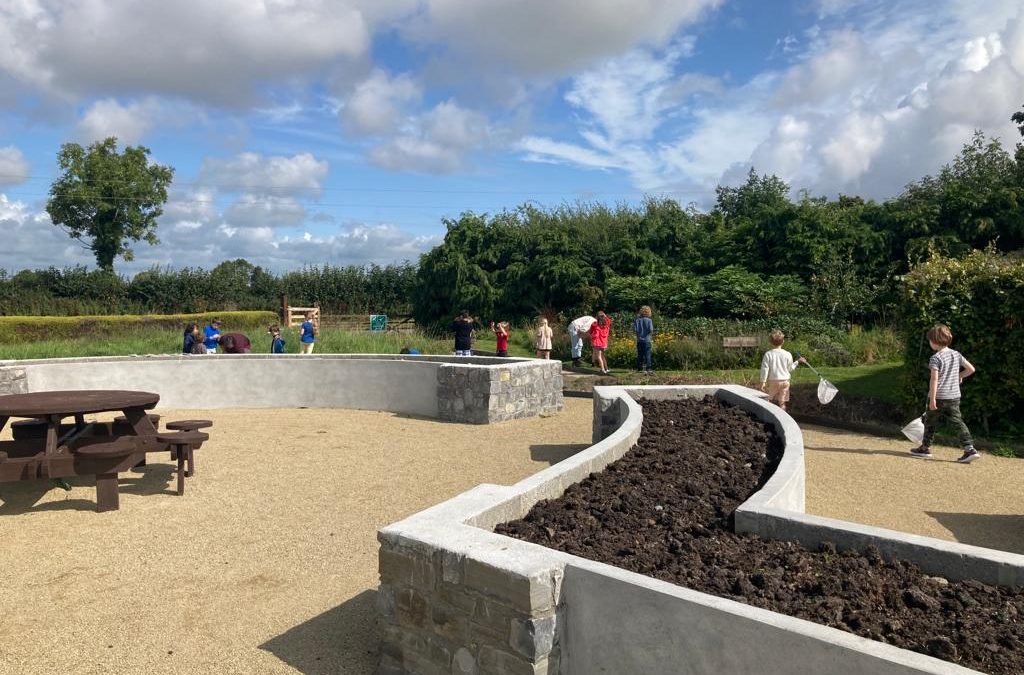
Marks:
<point>922,452</point>
<point>575,363</point>
<point>970,454</point>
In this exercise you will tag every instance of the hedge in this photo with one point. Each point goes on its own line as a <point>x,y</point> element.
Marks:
<point>981,298</point>
<point>15,329</point>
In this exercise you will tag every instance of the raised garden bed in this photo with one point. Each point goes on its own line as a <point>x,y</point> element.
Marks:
<point>665,510</point>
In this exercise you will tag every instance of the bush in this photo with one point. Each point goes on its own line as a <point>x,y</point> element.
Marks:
<point>981,298</point>
<point>15,329</point>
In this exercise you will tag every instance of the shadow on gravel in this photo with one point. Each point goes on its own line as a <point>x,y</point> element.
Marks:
<point>998,531</point>
<point>341,640</point>
<point>863,451</point>
<point>553,454</point>
<point>23,497</point>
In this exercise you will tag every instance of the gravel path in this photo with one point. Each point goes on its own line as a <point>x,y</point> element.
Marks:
<point>268,564</point>
<point>873,480</point>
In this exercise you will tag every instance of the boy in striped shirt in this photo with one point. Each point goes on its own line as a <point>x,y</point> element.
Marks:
<point>948,369</point>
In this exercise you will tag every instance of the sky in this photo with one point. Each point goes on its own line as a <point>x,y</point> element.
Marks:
<point>310,132</point>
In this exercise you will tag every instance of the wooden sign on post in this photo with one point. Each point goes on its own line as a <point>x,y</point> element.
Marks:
<point>742,341</point>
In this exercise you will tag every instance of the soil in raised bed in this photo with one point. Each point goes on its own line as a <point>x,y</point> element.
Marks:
<point>665,510</point>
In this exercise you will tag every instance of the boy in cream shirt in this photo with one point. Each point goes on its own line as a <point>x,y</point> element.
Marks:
<point>776,365</point>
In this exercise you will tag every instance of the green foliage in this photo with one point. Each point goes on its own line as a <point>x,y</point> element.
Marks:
<point>20,329</point>
<point>107,198</point>
<point>981,298</point>
<point>232,285</point>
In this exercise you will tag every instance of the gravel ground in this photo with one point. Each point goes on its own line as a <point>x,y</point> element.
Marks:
<point>873,480</point>
<point>268,564</point>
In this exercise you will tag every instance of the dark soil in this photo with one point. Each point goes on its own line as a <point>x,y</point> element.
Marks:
<point>665,510</point>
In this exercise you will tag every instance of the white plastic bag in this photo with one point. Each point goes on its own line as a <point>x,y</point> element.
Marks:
<point>915,430</point>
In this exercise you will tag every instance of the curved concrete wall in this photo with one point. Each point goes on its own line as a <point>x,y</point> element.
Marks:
<point>472,389</point>
<point>457,598</point>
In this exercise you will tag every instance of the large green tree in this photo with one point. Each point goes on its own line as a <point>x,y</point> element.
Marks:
<point>107,199</point>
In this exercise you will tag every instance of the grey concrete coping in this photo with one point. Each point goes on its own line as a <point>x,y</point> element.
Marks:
<point>463,389</point>
<point>457,598</point>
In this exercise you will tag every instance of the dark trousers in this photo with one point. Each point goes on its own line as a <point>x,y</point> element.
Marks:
<point>948,409</point>
<point>643,355</point>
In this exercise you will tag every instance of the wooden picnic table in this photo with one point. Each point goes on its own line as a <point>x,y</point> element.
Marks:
<point>103,458</point>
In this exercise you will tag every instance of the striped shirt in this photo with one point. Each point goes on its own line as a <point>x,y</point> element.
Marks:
<point>948,362</point>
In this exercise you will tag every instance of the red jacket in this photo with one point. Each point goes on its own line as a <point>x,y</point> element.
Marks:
<point>599,334</point>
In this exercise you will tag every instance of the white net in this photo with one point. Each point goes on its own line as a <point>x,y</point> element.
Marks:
<point>915,430</point>
<point>826,391</point>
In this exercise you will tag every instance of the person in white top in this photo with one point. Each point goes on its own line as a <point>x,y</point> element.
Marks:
<point>578,329</point>
<point>776,366</point>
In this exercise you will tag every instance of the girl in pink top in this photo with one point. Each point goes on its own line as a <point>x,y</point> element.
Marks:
<point>599,339</point>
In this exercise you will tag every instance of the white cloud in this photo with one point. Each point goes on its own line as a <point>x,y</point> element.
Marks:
<point>436,142</point>
<point>14,168</point>
<point>547,37</point>
<point>376,105</point>
<point>255,211</point>
<point>131,122</point>
<point>300,174</point>
<point>215,52</point>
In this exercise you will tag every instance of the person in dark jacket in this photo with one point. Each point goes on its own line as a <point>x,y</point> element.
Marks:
<point>192,338</point>
<point>462,326</point>
<point>235,343</point>
<point>643,326</point>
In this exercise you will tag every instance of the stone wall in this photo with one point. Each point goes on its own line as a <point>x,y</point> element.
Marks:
<point>13,381</point>
<point>468,393</point>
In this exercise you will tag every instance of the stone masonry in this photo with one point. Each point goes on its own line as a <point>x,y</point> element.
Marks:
<point>446,614</point>
<point>13,381</point>
<point>484,394</point>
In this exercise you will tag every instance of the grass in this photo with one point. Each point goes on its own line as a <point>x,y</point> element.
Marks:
<point>875,381</point>
<point>161,341</point>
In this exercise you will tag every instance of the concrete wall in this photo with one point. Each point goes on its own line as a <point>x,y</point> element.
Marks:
<point>478,390</point>
<point>457,598</point>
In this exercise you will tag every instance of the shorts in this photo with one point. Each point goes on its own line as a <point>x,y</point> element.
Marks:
<point>463,352</point>
<point>306,347</point>
<point>778,390</point>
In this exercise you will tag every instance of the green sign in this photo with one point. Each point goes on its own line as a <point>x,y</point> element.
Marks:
<point>378,322</point>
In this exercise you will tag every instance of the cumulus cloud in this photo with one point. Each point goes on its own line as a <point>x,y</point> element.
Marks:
<point>300,174</point>
<point>256,211</point>
<point>130,122</point>
<point>863,110</point>
<point>377,104</point>
<point>216,52</point>
<point>14,168</point>
<point>436,142</point>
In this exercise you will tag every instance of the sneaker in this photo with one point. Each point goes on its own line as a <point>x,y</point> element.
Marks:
<point>922,452</point>
<point>575,363</point>
<point>970,454</point>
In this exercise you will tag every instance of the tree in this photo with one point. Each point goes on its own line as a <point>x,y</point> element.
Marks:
<point>107,199</point>
<point>1018,119</point>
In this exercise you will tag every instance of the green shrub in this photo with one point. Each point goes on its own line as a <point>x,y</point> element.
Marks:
<point>981,298</point>
<point>16,329</point>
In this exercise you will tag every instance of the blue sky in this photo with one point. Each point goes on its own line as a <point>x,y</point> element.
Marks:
<point>344,131</point>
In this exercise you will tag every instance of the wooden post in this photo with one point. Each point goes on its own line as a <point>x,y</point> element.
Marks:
<point>284,310</point>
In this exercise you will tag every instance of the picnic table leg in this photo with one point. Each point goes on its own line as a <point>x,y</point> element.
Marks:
<point>106,492</point>
<point>139,419</point>
<point>181,469</point>
<point>191,462</point>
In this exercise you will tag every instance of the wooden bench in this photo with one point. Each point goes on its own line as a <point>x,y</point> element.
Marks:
<point>110,454</point>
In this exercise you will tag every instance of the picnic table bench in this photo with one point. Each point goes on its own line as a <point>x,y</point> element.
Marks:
<point>77,451</point>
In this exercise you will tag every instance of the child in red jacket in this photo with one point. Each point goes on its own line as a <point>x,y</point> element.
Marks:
<point>599,339</point>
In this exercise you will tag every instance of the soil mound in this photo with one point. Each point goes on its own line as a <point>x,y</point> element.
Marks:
<point>665,510</point>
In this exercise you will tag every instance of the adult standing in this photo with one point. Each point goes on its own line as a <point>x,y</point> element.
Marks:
<point>578,329</point>
<point>462,326</point>
<point>212,334</point>
<point>643,326</point>
<point>307,334</point>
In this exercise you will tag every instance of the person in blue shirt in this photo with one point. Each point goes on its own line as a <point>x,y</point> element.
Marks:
<point>212,333</point>
<point>643,326</point>
<point>277,342</point>
<point>307,334</point>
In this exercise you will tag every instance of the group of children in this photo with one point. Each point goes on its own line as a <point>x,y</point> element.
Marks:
<point>210,340</point>
<point>948,368</point>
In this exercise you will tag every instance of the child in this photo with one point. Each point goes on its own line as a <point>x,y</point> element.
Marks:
<point>577,329</point>
<point>599,332</point>
<point>462,326</point>
<point>643,326</point>
<point>543,339</point>
<point>276,341</point>
<point>776,366</point>
<point>212,336</point>
<point>501,332</point>
<point>307,335</point>
<point>948,369</point>
<point>192,341</point>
